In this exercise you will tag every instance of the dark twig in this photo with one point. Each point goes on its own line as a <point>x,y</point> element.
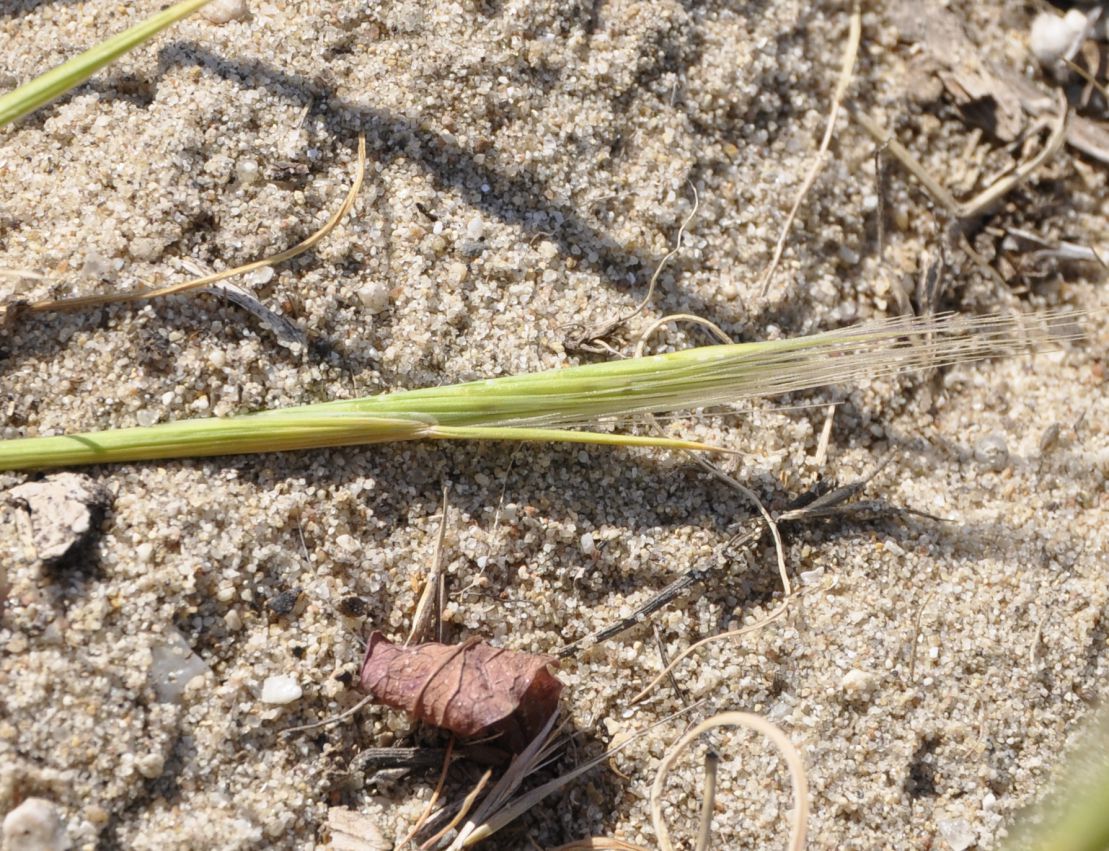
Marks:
<point>824,501</point>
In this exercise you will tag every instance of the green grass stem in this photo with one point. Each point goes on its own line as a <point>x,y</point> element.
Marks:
<point>57,81</point>
<point>546,406</point>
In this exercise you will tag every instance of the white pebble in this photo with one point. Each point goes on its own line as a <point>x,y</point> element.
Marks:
<point>1054,38</point>
<point>151,765</point>
<point>812,577</point>
<point>858,683</point>
<point>587,545</point>
<point>246,169</point>
<point>259,277</point>
<point>374,297</point>
<point>475,229</point>
<point>224,11</point>
<point>144,552</point>
<point>35,825</point>
<point>281,689</point>
<point>456,273</point>
<point>957,833</point>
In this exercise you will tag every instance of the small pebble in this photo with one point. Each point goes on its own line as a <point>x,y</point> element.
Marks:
<point>456,273</point>
<point>957,833</point>
<point>151,765</point>
<point>225,11</point>
<point>812,577</point>
<point>246,169</point>
<point>352,607</point>
<point>173,666</point>
<point>283,603</point>
<point>280,690</point>
<point>374,297</point>
<point>587,545</point>
<point>35,825</point>
<point>1053,37</point>
<point>992,452</point>
<point>858,683</point>
<point>259,277</point>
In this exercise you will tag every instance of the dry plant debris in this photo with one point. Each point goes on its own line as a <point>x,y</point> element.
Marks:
<point>470,688</point>
<point>797,775</point>
<point>551,191</point>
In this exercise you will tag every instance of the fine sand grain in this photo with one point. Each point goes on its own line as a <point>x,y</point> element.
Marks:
<point>529,165</point>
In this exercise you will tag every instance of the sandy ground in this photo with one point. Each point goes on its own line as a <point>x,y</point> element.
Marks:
<point>529,164</point>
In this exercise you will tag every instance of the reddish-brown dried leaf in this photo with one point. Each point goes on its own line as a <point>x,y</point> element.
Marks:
<point>467,688</point>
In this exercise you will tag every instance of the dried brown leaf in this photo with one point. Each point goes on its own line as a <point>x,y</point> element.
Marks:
<point>467,688</point>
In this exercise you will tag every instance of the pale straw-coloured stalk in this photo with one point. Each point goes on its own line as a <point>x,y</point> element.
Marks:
<point>548,406</point>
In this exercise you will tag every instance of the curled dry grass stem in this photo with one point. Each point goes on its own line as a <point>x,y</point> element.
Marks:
<point>57,81</point>
<point>81,302</point>
<point>794,763</point>
<point>545,406</point>
<point>777,613</point>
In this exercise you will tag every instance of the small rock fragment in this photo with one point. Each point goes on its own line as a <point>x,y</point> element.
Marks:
<point>151,765</point>
<point>280,690</point>
<point>1055,37</point>
<point>352,607</point>
<point>353,831</point>
<point>35,825</point>
<point>374,296</point>
<point>173,666</point>
<point>64,509</point>
<point>225,11</point>
<point>246,169</point>
<point>858,684</point>
<point>457,272</point>
<point>992,452</point>
<point>957,833</point>
<point>283,604</point>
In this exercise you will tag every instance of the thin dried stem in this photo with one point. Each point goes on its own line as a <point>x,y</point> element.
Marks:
<point>850,52</point>
<point>80,302</point>
<point>794,763</point>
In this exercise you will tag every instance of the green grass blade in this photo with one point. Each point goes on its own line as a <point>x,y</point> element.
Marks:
<point>540,406</point>
<point>1076,816</point>
<point>44,88</point>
